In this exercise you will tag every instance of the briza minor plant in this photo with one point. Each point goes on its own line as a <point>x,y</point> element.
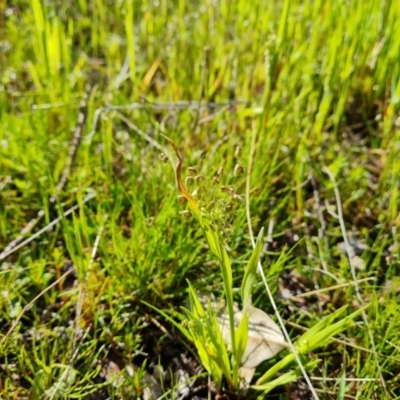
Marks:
<point>232,342</point>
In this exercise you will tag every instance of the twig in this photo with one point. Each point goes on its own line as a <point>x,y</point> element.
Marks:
<point>210,117</point>
<point>123,74</point>
<point>322,271</point>
<point>13,326</point>
<point>353,270</point>
<point>96,117</point>
<point>6,181</point>
<point>171,106</point>
<point>72,150</point>
<point>176,105</point>
<point>161,327</point>
<point>319,378</point>
<point>25,230</point>
<point>145,136</point>
<point>268,240</point>
<point>393,345</point>
<point>6,253</point>
<point>261,271</point>
<point>47,106</point>
<point>60,186</point>
<point>318,291</point>
<point>297,187</point>
<point>79,306</point>
<point>322,230</point>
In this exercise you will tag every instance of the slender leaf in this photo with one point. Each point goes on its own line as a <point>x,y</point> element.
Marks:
<point>250,272</point>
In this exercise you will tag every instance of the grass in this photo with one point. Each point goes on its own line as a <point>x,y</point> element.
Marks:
<point>316,84</point>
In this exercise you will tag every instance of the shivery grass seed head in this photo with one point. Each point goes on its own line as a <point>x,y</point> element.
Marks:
<point>216,203</point>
